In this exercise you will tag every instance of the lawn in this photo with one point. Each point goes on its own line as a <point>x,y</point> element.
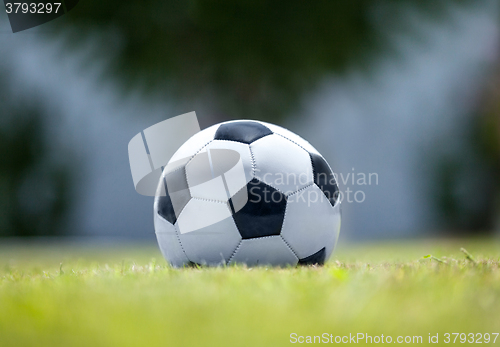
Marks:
<point>71,295</point>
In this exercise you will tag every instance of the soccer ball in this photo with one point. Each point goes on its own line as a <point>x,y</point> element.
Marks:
<point>247,192</point>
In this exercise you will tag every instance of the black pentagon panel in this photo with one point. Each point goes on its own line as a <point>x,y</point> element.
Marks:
<point>263,213</point>
<point>177,195</point>
<point>324,178</point>
<point>317,258</point>
<point>245,131</point>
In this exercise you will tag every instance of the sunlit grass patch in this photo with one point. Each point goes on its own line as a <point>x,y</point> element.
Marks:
<point>60,295</point>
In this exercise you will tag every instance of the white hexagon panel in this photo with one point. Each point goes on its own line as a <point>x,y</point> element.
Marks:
<point>282,164</point>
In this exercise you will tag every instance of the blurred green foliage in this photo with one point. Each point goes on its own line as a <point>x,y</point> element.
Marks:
<point>488,136</point>
<point>252,58</point>
<point>34,190</point>
<point>474,204</point>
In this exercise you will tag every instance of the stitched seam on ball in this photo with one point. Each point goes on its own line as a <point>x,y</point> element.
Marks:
<point>308,153</point>
<point>210,200</point>
<point>180,243</point>
<point>243,143</point>
<point>313,168</point>
<point>179,168</point>
<point>290,247</point>
<point>270,186</point>
<point>263,237</point>
<point>282,225</point>
<point>283,136</point>
<point>310,159</point>
<point>194,155</point>
<point>191,158</point>
<point>314,175</point>
<point>178,232</point>
<point>184,209</point>
<point>301,189</point>
<point>254,165</point>
<point>252,159</point>
<point>234,252</point>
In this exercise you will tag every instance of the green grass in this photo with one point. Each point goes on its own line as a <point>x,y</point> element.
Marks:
<point>128,296</point>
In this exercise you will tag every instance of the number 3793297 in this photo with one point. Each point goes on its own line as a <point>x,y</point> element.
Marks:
<point>20,7</point>
<point>470,338</point>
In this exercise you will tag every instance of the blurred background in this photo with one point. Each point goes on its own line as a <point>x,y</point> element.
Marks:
<point>406,90</point>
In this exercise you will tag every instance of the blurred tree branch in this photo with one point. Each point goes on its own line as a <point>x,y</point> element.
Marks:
<point>255,58</point>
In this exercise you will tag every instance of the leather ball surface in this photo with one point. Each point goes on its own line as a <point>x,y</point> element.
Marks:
<point>247,192</point>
